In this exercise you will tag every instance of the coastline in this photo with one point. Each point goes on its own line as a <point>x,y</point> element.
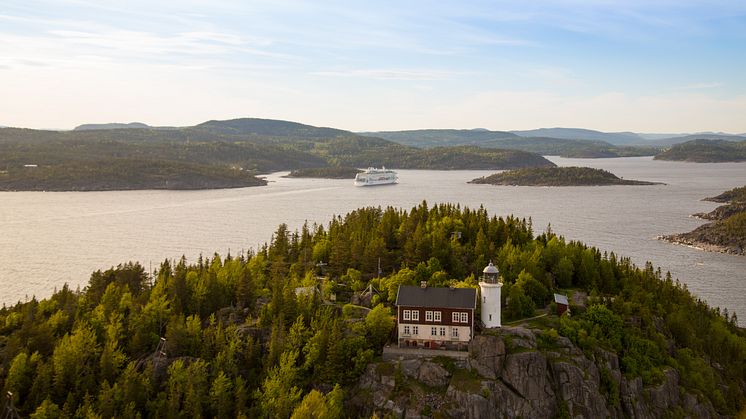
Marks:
<point>682,240</point>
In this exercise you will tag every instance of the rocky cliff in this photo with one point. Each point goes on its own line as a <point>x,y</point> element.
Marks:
<point>518,372</point>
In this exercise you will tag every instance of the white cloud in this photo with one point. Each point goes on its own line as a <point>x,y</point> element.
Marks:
<point>700,86</point>
<point>389,74</point>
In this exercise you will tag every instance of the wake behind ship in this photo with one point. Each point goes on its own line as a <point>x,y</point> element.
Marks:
<point>373,176</point>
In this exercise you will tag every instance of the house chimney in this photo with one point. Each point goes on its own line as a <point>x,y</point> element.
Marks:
<point>423,284</point>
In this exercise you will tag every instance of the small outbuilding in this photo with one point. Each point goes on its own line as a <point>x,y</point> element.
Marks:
<point>562,304</point>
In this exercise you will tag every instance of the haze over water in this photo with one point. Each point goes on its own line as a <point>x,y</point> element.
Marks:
<point>47,239</point>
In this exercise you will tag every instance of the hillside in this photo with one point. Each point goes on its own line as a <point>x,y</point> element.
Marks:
<point>114,125</point>
<point>726,235</point>
<point>616,138</point>
<point>727,231</point>
<point>124,174</point>
<point>734,195</point>
<point>706,151</point>
<point>269,128</point>
<point>426,138</point>
<point>579,148</point>
<point>669,141</point>
<point>233,337</point>
<point>254,145</point>
<point>557,176</point>
<point>326,173</point>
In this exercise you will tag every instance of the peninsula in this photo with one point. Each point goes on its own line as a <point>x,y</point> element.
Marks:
<point>557,176</point>
<point>726,233</point>
<point>326,173</point>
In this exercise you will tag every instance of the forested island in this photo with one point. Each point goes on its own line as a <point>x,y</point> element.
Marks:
<point>274,333</point>
<point>214,154</point>
<point>326,173</point>
<point>706,151</point>
<point>727,231</point>
<point>557,176</point>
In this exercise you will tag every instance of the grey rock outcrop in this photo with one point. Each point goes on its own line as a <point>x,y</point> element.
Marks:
<point>509,376</point>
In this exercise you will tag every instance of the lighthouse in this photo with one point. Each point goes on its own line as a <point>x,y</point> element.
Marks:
<point>490,289</point>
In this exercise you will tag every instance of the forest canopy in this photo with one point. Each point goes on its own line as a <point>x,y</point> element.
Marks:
<point>257,335</point>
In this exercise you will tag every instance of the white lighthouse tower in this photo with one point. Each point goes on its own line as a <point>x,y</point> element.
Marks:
<point>490,289</point>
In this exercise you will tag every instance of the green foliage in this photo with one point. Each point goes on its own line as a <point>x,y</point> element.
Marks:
<point>556,176</point>
<point>379,323</point>
<point>706,151</point>
<point>241,343</point>
<point>326,173</point>
<point>215,154</point>
<point>520,305</point>
<point>428,138</point>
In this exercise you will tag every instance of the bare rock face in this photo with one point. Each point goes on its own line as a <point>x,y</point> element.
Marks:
<point>578,386</point>
<point>487,355</point>
<point>433,375</point>
<point>509,376</point>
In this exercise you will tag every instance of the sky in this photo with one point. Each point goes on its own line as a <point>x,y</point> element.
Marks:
<point>668,66</point>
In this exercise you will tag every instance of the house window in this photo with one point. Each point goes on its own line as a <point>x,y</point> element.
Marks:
<point>415,330</point>
<point>428,316</point>
<point>455,317</point>
<point>406,330</point>
<point>433,331</point>
<point>442,331</point>
<point>490,317</point>
<point>437,316</point>
<point>464,317</point>
<point>416,315</point>
<point>454,332</point>
<point>484,299</point>
<point>407,315</point>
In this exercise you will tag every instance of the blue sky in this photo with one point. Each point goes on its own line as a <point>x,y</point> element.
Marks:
<point>645,66</point>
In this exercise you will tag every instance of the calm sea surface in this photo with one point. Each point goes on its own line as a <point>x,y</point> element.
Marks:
<point>47,239</point>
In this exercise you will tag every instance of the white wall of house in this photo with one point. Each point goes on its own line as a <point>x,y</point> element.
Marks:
<point>432,332</point>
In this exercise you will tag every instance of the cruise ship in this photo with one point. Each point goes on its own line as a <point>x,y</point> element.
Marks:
<point>373,176</point>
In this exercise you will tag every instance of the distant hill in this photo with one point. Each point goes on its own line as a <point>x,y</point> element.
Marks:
<point>705,136</point>
<point>114,125</point>
<point>506,140</point>
<point>269,127</point>
<point>557,176</point>
<point>706,151</point>
<point>426,138</point>
<point>242,147</point>
<point>616,138</point>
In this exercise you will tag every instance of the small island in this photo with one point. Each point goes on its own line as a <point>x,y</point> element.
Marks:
<point>326,173</point>
<point>557,176</point>
<point>727,232</point>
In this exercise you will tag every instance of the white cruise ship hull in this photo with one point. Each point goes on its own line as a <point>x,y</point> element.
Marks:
<point>375,177</point>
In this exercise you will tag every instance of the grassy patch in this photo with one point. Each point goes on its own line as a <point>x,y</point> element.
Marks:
<point>446,363</point>
<point>385,369</point>
<point>468,381</point>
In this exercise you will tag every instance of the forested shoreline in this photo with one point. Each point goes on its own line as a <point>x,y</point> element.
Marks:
<point>727,231</point>
<point>257,335</point>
